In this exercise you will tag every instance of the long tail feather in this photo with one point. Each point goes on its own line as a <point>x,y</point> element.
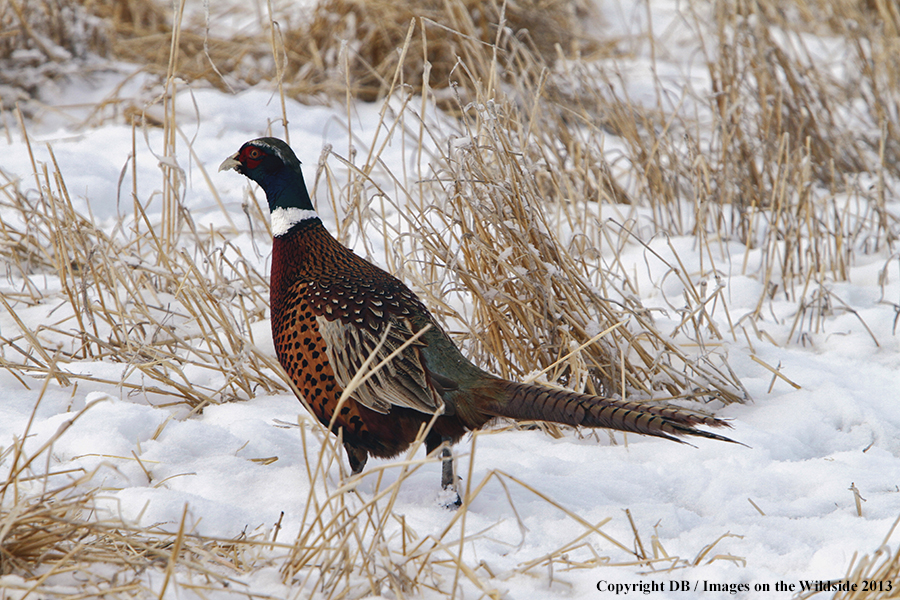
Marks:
<point>524,402</point>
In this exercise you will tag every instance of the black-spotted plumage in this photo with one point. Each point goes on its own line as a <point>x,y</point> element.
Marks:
<point>331,310</point>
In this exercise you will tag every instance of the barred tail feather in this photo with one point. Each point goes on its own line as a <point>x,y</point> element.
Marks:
<point>524,402</point>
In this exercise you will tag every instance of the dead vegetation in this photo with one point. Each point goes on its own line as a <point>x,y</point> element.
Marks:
<point>430,45</point>
<point>129,299</point>
<point>50,528</point>
<point>872,576</point>
<point>522,220</point>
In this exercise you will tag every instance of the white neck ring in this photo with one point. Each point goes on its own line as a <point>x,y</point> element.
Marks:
<point>285,218</point>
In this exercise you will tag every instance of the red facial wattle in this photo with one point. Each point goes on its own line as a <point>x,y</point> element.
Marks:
<point>250,157</point>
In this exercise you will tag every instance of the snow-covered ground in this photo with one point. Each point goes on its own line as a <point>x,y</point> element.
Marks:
<point>780,510</point>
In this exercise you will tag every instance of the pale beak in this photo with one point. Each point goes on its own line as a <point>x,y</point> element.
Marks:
<point>230,163</point>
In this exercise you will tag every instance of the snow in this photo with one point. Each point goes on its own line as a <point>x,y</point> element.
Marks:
<point>779,509</point>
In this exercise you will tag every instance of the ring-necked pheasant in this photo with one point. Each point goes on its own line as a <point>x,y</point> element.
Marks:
<point>331,309</point>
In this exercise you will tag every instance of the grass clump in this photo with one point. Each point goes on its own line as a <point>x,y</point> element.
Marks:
<point>42,30</point>
<point>129,298</point>
<point>367,48</point>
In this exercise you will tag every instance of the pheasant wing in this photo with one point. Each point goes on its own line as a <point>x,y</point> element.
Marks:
<point>400,382</point>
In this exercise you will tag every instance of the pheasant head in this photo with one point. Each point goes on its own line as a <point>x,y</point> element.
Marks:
<point>273,165</point>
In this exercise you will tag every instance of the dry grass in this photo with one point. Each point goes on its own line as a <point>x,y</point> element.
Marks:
<point>868,577</point>
<point>429,45</point>
<point>51,528</point>
<point>518,216</point>
<point>129,297</point>
<point>55,31</point>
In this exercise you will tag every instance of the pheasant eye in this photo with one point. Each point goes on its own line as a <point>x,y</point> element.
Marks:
<point>254,153</point>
